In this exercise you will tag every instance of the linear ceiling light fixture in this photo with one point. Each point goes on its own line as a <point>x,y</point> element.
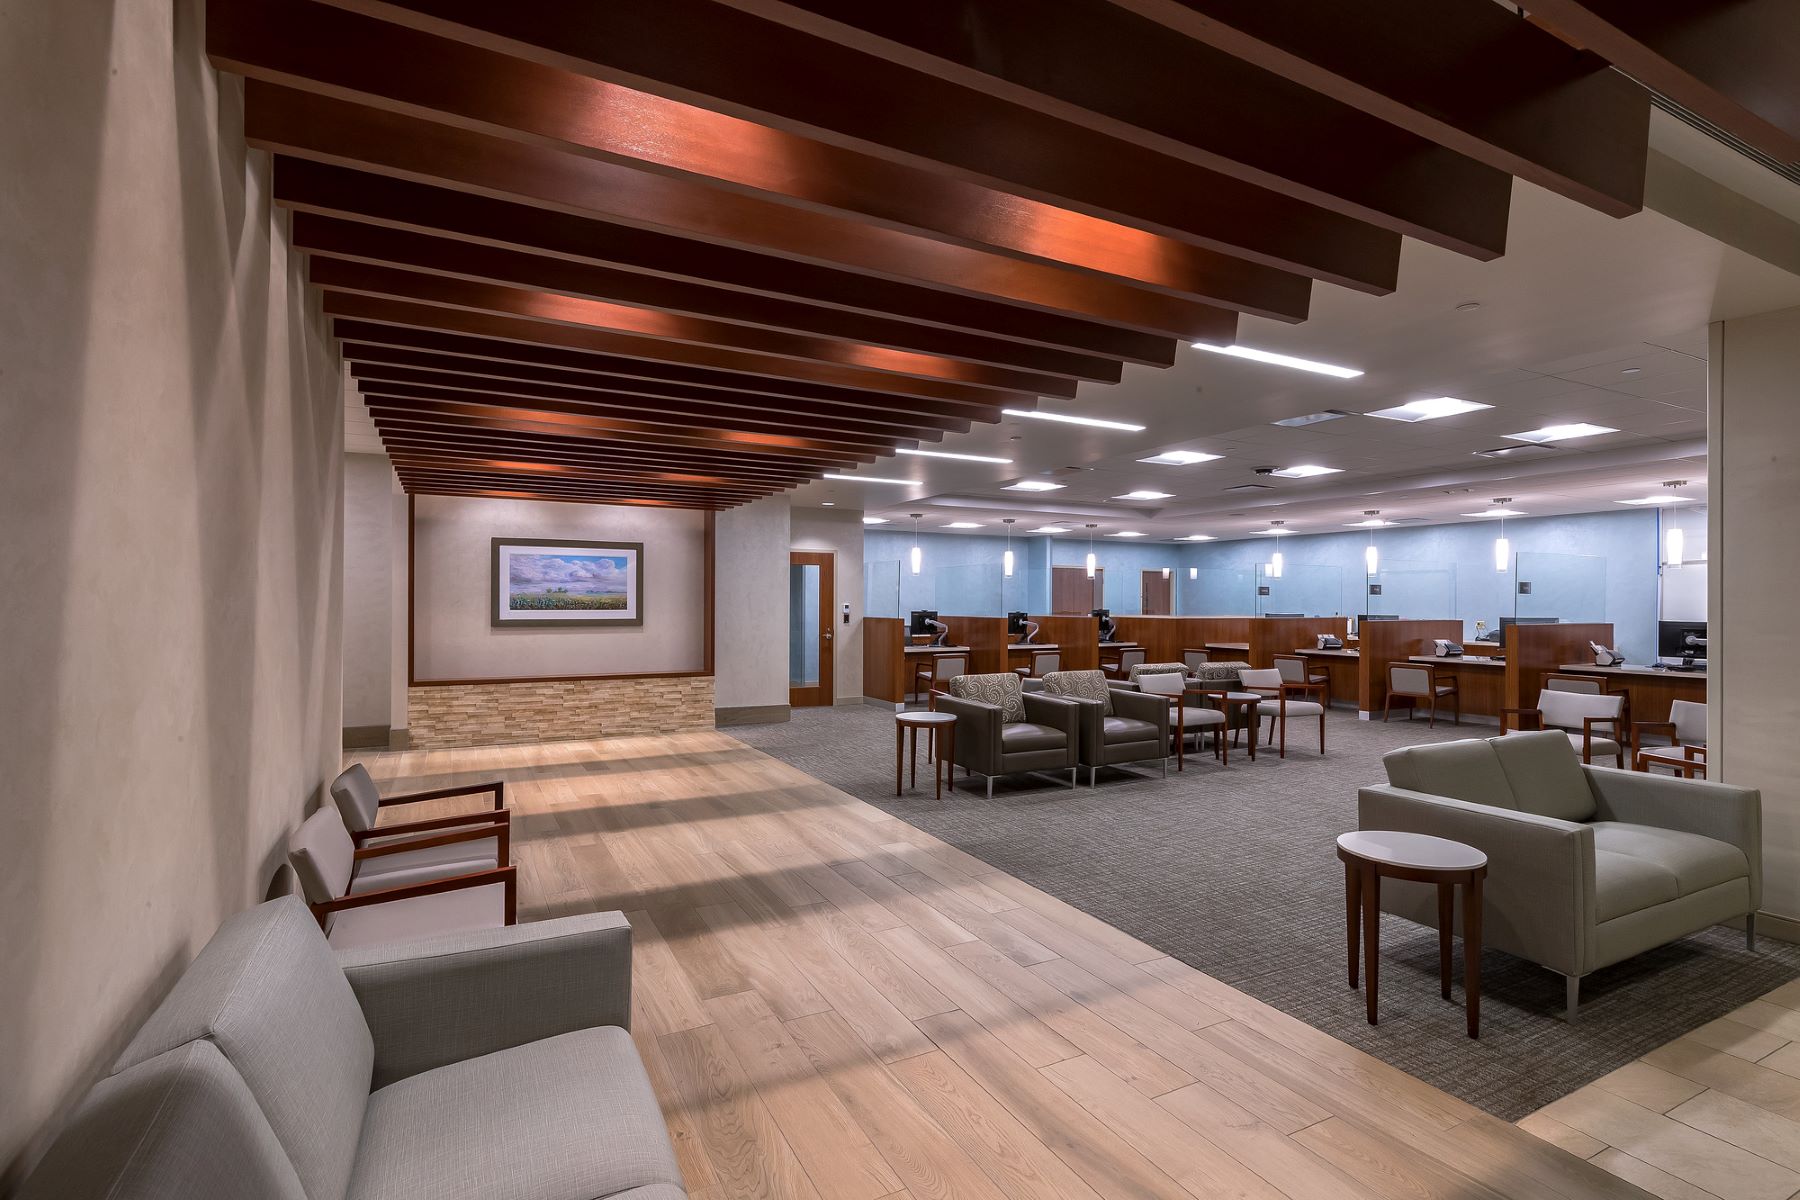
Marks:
<point>1198,537</point>
<point>976,458</point>
<point>1145,494</point>
<point>1034,485</point>
<point>1305,471</point>
<point>875,520</point>
<point>872,479</point>
<point>1428,410</point>
<point>963,525</point>
<point>1049,529</point>
<point>1560,433</point>
<point>1180,458</point>
<point>1281,360</point>
<point>1070,419</point>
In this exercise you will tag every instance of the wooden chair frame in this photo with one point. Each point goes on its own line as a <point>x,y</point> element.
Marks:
<point>1536,716</point>
<point>927,672</point>
<point>1279,712</point>
<point>1412,698</point>
<point>508,876</point>
<point>498,814</point>
<point>1693,753</point>
<point>1320,677</point>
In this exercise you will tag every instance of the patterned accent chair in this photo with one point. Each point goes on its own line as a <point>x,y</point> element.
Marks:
<point>1001,729</point>
<point>1117,725</point>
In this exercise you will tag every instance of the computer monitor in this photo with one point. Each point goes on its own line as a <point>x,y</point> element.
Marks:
<point>1681,639</point>
<point>1015,624</point>
<point>1505,621</point>
<point>1102,613</point>
<point>1107,627</point>
<point>1379,617</point>
<point>919,623</point>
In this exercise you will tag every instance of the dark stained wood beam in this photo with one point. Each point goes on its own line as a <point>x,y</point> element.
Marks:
<point>430,489</point>
<point>459,462</point>
<point>322,129</point>
<point>1142,216</point>
<point>585,452</point>
<point>446,370</point>
<point>1465,73</point>
<point>351,241</point>
<point>551,486</point>
<point>374,310</point>
<point>398,344</point>
<point>1736,63</point>
<point>870,425</point>
<point>400,204</point>
<point>1113,73</point>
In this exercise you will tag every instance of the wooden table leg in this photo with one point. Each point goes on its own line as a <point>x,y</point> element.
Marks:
<point>1353,913</point>
<point>949,758</point>
<point>1446,917</point>
<point>913,757</point>
<point>1472,949</point>
<point>1371,923</point>
<point>899,756</point>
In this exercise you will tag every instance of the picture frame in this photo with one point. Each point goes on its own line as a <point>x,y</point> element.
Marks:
<point>565,583</point>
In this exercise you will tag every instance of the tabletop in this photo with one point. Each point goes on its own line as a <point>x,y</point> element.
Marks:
<point>1419,851</point>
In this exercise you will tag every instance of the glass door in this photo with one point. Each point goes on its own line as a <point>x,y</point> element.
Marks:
<point>810,605</point>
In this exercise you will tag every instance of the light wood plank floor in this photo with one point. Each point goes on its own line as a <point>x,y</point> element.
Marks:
<point>1712,1114</point>
<point>834,1004</point>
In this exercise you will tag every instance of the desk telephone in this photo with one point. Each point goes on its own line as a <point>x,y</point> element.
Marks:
<point>1604,657</point>
<point>1445,648</point>
<point>1328,641</point>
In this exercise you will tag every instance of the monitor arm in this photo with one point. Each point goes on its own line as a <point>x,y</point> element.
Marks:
<point>943,631</point>
<point>1031,628</point>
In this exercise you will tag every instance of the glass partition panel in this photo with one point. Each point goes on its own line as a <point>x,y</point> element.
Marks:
<point>1217,592</point>
<point>1027,591</point>
<point>1310,591</point>
<point>881,589</point>
<point>1413,591</point>
<point>803,625</point>
<point>970,590</point>
<point>1569,587</point>
<point>1484,595</point>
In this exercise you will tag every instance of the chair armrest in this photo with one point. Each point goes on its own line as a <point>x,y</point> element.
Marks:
<point>1058,712</point>
<point>508,875</point>
<point>496,832</point>
<point>1143,706</point>
<point>488,819</point>
<point>1640,728</point>
<point>496,786</point>
<point>1536,715</point>
<point>1540,881</point>
<point>1720,811</point>
<point>977,732</point>
<point>445,999</point>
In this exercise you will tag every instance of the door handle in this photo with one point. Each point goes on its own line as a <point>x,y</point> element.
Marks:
<point>826,635</point>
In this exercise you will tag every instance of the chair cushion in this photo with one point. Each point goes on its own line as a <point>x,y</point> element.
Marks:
<point>1219,672</point>
<point>1545,773</point>
<point>1693,861</point>
<point>1139,670</point>
<point>570,1117</point>
<point>1119,730</point>
<point>1161,683</point>
<point>180,1126</point>
<point>460,911</point>
<point>323,856</point>
<point>1469,771</point>
<point>426,863</point>
<point>1295,708</point>
<point>268,993</point>
<point>1001,690</point>
<point>356,798</point>
<point>1081,685</point>
<point>1018,737</point>
<point>1190,715</point>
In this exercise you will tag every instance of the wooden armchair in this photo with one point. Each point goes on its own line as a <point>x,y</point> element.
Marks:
<point>1269,682</point>
<point>1685,748</point>
<point>1578,714</point>
<point>1295,668</point>
<point>1411,682</point>
<point>360,803</point>
<point>938,670</point>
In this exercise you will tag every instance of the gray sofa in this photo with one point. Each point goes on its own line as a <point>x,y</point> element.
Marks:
<point>1587,866</point>
<point>492,1064</point>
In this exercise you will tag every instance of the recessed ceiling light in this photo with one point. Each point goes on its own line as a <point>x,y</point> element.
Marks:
<point>1272,532</point>
<point>963,525</point>
<point>1281,360</point>
<point>1034,485</point>
<point>871,479</point>
<point>1368,523</point>
<point>1305,471</point>
<point>1126,533</point>
<point>1427,410</point>
<point>1068,419</point>
<point>1048,529</point>
<point>1561,433</point>
<point>875,520</point>
<point>1144,494</point>
<point>828,504</point>
<point>1496,512</point>
<point>1197,537</point>
<point>1180,458</point>
<point>981,458</point>
<point>1663,498</point>
<point>1632,371</point>
<point>1330,414</point>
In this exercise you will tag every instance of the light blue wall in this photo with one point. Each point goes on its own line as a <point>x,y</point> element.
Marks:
<point>1590,567</point>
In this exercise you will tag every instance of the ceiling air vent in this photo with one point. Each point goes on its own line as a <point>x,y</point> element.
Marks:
<point>1528,449</point>
<point>1251,487</point>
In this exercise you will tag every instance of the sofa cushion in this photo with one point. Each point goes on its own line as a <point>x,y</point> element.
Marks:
<point>425,863</point>
<point>356,798</point>
<point>323,856</point>
<point>1117,731</point>
<point>1545,774</point>
<point>1023,736</point>
<point>1468,771</point>
<point>1695,862</point>
<point>268,993</point>
<point>180,1126</point>
<point>1624,883</point>
<point>1081,685</point>
<point>1001,690</point>
<point>461,911</point>
<point>566,1118</point>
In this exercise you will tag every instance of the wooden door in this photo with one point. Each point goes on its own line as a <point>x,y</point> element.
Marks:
<point>1158,594</point>
<point>1071,591</point>
<point>811,633</point>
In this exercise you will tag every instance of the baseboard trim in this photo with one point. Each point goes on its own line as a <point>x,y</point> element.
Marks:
<point>850,700</point>
<point>1782,929</point>
<point>367,737</point>
<point>753,714</point>
<point>884,705</point>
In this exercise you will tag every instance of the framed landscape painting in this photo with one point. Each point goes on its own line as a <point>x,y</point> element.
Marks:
<point>551,583</point>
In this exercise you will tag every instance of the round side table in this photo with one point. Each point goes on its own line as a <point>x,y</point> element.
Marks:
<point>1370,854</point>
<point>940,746</point>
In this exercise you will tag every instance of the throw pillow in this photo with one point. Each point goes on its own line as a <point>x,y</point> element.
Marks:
<point>1081,685</point>
<point>1003,691</point>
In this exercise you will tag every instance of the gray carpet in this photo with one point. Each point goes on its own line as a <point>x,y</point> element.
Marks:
<point>1234,871</point>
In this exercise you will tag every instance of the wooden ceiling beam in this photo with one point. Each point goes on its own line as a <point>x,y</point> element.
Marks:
<point>869,427</point>
<point>429,489</point>
<point>553,486</point>
<point>371,244</point>
<point>1736,64</point>
<point>376,377</point>
<point>342,275</point>
<point>444,461</point>
<point>452,370</point>
<point>375,310</point>
<point>323,129</point>
<point>401,204</point>
<point>1166,223</point>
<point>1466,74</point>
<point>582,452</point>
<point>502,416</point>
<point>1122,76</point>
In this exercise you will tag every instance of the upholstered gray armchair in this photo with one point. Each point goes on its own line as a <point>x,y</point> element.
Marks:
<point>1118,724</point>
<point>1587,866</point>
<point>1001,729</point>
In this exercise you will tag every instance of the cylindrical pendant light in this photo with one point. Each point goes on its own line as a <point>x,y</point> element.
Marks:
<point>1006,560</point>
<point>1372,557</point>
<point>918,554</point>
<point>1193,572</point>
<point>1502,547</point>
<point>1165,572</point>
<point>1674,540</point>
<point>1274,569</point>
<point>1091,560</point>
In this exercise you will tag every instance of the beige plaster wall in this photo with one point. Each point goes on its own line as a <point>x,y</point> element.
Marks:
<point>369,584</point>
<point>751,589</point>
<point>839,531</point>
<point>170,495</point>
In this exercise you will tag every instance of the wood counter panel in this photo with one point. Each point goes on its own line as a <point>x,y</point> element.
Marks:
<point>1534,651</point>
<point>884,658</point>
<point>1078,636</point>
<point>1384,642</point>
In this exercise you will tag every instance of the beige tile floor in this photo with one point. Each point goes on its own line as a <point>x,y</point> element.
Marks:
<point>1713,1114</point>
